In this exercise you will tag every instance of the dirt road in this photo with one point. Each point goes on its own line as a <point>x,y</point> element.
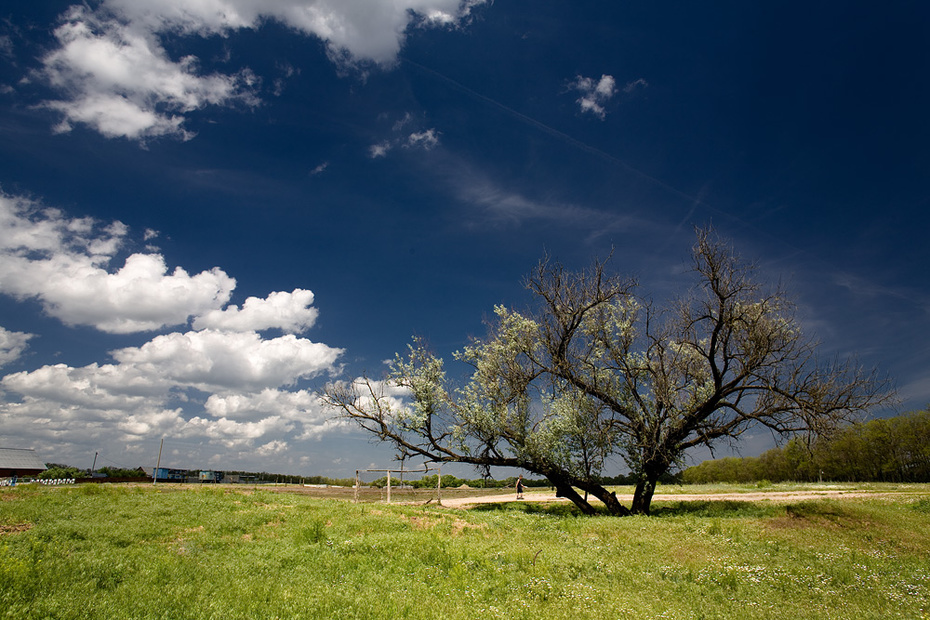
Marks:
<point>773,496</point>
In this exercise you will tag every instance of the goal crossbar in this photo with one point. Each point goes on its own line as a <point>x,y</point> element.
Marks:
<point>426,469</point>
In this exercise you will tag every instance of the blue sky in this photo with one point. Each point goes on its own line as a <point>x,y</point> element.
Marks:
<point>211,208</point>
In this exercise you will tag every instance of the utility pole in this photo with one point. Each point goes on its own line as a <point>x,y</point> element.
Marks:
<point>93,467</point>
<point>158,463</point>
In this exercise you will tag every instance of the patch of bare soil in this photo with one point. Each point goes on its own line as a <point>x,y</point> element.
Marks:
<point>16,528</point>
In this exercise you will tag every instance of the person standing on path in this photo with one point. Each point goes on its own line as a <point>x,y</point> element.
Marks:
<point>520,487</point>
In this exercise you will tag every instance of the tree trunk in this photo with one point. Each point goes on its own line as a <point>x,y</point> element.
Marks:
<point>566,491</point>
<point>610,500</point>
<point>642,496</point>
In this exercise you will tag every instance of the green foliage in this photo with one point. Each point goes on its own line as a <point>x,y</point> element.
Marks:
<point>334,482</point>
<point>884,450</point>
<point>430,482</point>
<point>116,472</point>
<point>62,472</point>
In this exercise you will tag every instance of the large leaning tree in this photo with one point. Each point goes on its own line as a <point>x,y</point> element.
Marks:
<point>598,372</point>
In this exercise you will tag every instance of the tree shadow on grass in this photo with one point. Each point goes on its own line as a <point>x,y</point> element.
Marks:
<point>718,509</point>
<point>558,509</point>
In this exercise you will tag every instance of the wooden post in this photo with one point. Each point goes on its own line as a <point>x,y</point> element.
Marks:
<point>439,486</point>
<point>389,486</point>
<point>356,486</point>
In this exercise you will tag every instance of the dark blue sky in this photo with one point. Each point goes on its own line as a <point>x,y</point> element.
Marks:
<point>408,163</point>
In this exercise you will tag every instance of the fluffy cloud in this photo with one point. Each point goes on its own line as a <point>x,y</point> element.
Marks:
<point>290,312</point>
<point>214,361</point>
<point>300,407</point>
<point>144,393</point>
<point>352,29</point>
<point>62,262</point>
<point>120,81</point>
<point>89,406</point>
<point>594,93</point>
<point>237,434</point>
<point>107,387</point>
<point>222,385</point>
<point>40,421</point>
<point>12,345</point>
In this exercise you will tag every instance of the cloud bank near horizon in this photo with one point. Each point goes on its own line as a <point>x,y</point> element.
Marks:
<point>218,377</point>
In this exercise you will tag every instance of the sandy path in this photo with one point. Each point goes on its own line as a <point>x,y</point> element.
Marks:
<point>775,496</point>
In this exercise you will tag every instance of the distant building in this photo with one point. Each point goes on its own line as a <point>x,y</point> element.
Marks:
<point>163,474</point>
<point>211,476</point>
<point>20,462</point>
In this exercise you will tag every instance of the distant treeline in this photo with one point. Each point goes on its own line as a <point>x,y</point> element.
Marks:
<point>885,450</point>
<point>264,476</point>
<point>58,471</point>
<point>425,481</point>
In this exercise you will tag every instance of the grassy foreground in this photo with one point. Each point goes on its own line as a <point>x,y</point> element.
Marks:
<point>143,552</point>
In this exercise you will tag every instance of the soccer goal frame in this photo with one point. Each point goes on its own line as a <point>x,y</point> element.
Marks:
<point>425,470</point>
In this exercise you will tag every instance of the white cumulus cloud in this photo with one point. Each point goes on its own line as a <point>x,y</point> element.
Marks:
<point>116,77</point>
<point>299,407</point>
<point>12,345</point>
<point>142,395</point>
<point>91,388</point>
<point>289,312</point>
<point>352,29</point>
<point>222,384</point>
<point>44,421</point>
<point>62,262</point>
<point>237,434</point>
<point>594,93</point>
<point>121,82</point>
<point>212,360</point>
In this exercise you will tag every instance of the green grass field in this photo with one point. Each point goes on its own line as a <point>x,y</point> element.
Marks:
<point>100,551</point>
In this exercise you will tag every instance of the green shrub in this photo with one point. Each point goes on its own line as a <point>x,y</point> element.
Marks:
<point>312,533</point>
